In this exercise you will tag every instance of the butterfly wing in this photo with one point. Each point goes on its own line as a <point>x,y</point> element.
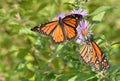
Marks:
<point>70,23</point>
<point>58,35</point>
<point>46,28</point>
<point>98,59</point>
<point>91,54</point>
<point>86,53</point>
<point>53,29</point>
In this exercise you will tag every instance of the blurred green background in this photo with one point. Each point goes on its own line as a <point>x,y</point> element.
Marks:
<point>29,56</point>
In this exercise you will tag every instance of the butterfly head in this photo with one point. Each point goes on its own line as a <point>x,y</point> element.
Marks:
<point>89,38</point>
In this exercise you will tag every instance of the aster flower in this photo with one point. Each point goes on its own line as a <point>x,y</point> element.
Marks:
<point>82,30</point>
<point>80,11</point>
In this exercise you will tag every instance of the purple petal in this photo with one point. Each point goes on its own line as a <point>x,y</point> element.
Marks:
<point>79,39</point>
<point>84,24</point>
<point>80,11</point>
<point>61,15</point>
<point>79,29</point>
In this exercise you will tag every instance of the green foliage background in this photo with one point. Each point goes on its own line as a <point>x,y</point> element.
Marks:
<point>29,56</point>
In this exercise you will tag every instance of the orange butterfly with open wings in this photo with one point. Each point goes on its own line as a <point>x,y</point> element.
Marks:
<point>61,29</point>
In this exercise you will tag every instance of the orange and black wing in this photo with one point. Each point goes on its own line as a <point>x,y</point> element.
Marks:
<point>70,23</point>
<point>46,28</point>
<point>91,54</point>
<point>98,59</point>
<point>86,53</point>
<point>58,35</point>
<point>53,29</point>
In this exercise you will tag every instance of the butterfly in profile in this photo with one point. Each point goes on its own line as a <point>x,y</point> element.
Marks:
<point>91,54</point>
<point>61,29</point>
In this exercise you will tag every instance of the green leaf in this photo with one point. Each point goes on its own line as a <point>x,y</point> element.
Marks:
<point>99,13</point>
<point>23,79</point>
<point>39,76</point>
<point>98,17</point>
<point>42,6</point>
<point>85,77</point>
<point>73,78</point>
<point>59,48</point>
<point>101,9</point>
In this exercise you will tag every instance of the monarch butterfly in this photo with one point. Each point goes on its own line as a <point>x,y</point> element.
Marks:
<point>91,54</point>
<point>61,29</point>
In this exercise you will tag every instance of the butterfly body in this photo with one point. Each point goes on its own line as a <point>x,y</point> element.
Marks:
<point>60,29</point>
